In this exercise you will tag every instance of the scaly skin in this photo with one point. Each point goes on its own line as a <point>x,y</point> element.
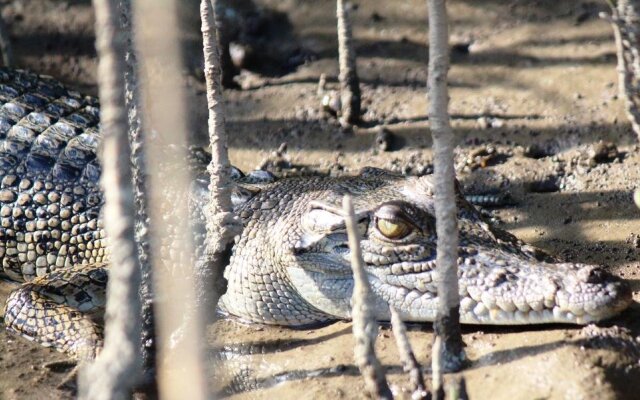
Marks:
<point>290,264</point>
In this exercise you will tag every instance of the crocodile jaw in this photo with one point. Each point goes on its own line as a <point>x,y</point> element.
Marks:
<point>516,292</point>
<point>507,291</point>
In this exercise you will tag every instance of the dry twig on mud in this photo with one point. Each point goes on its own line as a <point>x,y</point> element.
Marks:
<point>180,329</point>
<point>222,225</point>
<point>114,373</point>
<point>447,324</point>
<point>365,328</point>
<point>625,20</point>
<point>408,358</point>
<point>349,82</point>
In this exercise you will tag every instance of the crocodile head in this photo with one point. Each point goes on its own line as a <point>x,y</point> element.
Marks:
<point>300,273</point>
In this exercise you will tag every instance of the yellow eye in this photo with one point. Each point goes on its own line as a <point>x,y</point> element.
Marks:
<point>393,229</point>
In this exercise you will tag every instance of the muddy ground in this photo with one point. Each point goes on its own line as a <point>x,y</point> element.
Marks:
<point>533,90</point>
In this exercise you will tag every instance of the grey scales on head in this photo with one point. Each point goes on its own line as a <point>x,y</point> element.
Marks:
<point>290,265</point>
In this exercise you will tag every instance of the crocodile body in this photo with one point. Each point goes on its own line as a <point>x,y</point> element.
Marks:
<point>290,265</point>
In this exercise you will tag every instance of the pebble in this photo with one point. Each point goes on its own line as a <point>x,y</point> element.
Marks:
<point>603,152</point>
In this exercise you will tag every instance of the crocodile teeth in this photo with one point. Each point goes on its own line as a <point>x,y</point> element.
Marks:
<point>537,305</point>
<point>467,304</point>
<point>480,310</point>
<point>563,300</point>
<point>522,305</point>
<point>576,309</point>
<point>488,300</point>
<point>396,269</point>
<point>506,305</point>
<point>407,267</point>
<point>521,316</point>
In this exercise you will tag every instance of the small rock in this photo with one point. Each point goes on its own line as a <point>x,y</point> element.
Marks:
<point>331,103</point>
<point>239,53</point>
<point>489,122</point>
<point>384,139</point>
<point>483,123</point>
<point>603,152</point>
<point>634,240</point>
<point>535,151</point>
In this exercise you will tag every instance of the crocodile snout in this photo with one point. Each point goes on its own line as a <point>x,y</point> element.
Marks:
<point>593,274</point>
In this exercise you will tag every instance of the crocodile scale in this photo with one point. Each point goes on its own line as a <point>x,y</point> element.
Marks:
<point>290,265</point>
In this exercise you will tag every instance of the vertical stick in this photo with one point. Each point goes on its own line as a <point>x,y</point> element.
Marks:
<point>115,371</point>
<point>180,329</point>
<point>365,328</point>
<point>349,82</point>
<point>132,97</point>
<point>437,381</point>
<point>409,362</point>
<point>222,225</point>
<point>447,324</point>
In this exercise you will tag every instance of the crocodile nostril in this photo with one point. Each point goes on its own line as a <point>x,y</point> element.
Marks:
<point>592,275</point>
<point>341,249</point>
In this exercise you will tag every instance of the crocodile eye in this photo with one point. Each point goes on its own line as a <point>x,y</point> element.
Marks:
<point>393,229</point>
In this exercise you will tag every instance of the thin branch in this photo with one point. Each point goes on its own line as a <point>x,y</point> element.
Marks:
<point>222,225</point>
<point>133,100</point>
<point>447,324</point>
<point>115,371</point>
<point>365,328</point>
<point>437,381</point>
<point>349,82</point>
<point>409,362</point>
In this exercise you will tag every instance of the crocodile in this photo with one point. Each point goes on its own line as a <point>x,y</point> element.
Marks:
<point>290,265</point>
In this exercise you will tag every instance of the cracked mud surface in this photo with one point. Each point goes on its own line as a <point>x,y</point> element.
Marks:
<point>533,92</point>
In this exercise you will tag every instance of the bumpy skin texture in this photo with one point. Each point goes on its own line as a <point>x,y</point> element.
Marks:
<point>290,264</point>
<point>50,203</point>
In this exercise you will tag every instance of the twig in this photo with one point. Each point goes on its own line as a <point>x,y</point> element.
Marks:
<point>349,82</point>
<point>365,328</point>
<point>143,238</point>
<point>222,225</point>
<point>447,324</point>
<point>115,372</point>
<point>180,328</point>
<point>437,385</point>
<point>409,362</point>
